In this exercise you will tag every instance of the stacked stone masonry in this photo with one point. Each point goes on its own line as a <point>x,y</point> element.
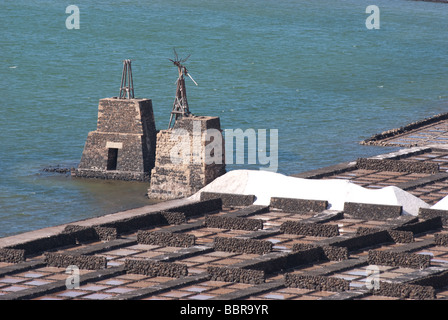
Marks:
<point>123,146</point>
<point>183,163</point>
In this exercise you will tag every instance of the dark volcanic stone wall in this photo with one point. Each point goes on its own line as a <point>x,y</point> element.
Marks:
<point>320,283</point>
<point>309,229</point>
<point>229,274</point>
<point>174,217</point>
<point>276,261</point>
<point>199,208</point>
<point>360,241</point>
<point>405,291</point>
<point>234,223</point>
<point>428,213</point>
<point>396,236</point>
<point>242,245</point>
<point>331,253</point>
<point>81,261</point>
<point>156,268</point>
<point>298,205</point>
<point>372,211</point>
<point>397,166</point>
<point>165,238</point>
<point>399,259</point>
<point>85,234</point>
<point>12,255</point>
<point>230,199</point>
<point>441,239</point>
<point>422,226</point>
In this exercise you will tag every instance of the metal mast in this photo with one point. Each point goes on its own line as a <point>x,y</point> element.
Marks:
<point>127,84</point>
<point>180,105</point>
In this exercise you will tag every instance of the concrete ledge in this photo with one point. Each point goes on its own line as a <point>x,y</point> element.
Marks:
<point>130,224</point>
<point>377,139</point>
<point>298,205</point>
<point>242,245</point>
<point>320,283</point>
<point>436,280</point>
<point>325,216</point>
<point>277,261</point>
<point>229,274</point>
<point>413,184</point>
<point>252,291</point>
<point>199,208</point>
<point>152,219</point>
<point>249,211</point>
<point>184,253</point>
<point>229,199</point>
<point>405,291</point>
<point>40,245</point>
<point>161,238</point>
<point>60,285</point>
<point>156,268</point>
<point>341,266</point>
<point>162,287</point>
<point>403,153</point>
<point>309,229</point>
<point>414,246</point>
<point>327,171</point>
<point>38,241</point>
<point>358,242</point>
<point>21,267</point>
<point>372,211</point>
<point>346,295</point>
<point>399,259</point>
<point>61,260</point>
<point>233,223</point>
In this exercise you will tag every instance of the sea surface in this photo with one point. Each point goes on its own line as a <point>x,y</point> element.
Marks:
<point>310,69</point>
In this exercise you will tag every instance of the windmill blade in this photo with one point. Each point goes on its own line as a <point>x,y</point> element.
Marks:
<point>192,78</point>
<point>175,54</point>
<point>184,60</point>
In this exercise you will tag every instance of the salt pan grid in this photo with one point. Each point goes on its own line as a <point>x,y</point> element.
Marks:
<point>298,264</point>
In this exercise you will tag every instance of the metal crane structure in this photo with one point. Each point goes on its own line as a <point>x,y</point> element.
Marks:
<point>180,105</point>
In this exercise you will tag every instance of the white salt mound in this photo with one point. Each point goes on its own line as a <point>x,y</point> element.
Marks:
<point>265,184</point>
<point>442,204</point>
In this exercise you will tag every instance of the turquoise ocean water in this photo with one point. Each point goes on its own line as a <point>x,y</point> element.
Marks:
<point>310,69</point>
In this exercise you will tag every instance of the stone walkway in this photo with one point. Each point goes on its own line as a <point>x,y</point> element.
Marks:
<point>428,132</point>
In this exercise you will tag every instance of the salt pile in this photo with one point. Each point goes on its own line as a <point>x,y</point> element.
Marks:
<point>265,184</point>
<point>442,204</point>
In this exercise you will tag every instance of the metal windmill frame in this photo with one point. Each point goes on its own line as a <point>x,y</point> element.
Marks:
<point>180,105</point>
<point>127,83</point>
